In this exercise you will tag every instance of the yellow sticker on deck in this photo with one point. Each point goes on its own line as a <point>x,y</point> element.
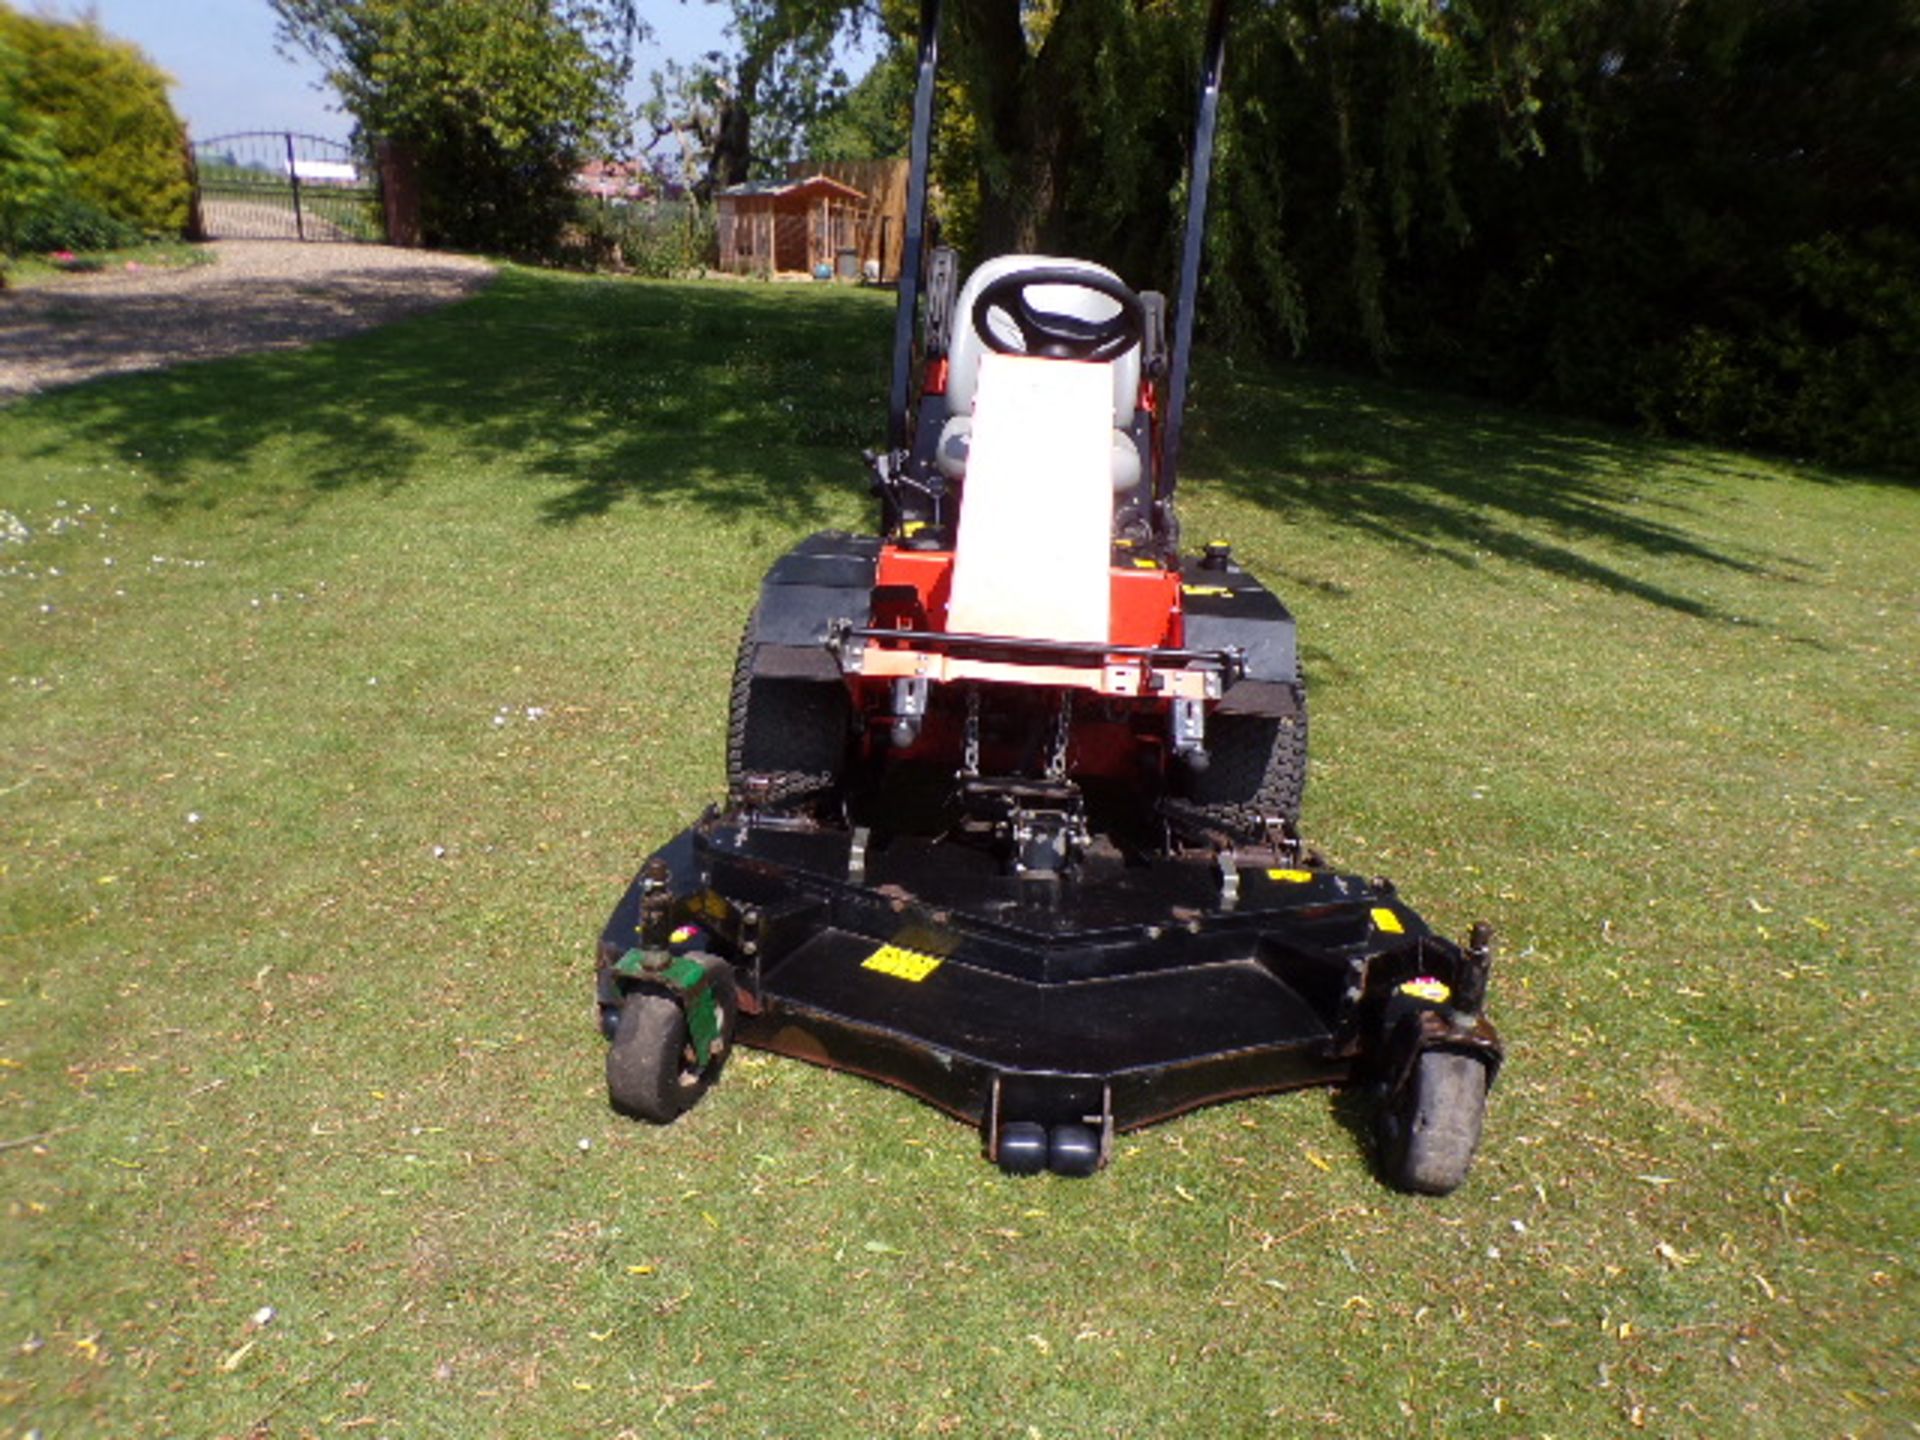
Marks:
<point>1292,877</point>
<point>1387,921</point>
<point>1205,590</point>
<point>902,964</point>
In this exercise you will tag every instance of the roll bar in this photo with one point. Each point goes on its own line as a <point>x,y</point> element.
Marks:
<point>913,256</point>
<point>913,251</point>
<point>1191,245</point>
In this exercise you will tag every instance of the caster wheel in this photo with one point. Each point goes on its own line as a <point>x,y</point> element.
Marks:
<point>1073,1150</point>
<point>1428,1133</point>
<point>651,1070</point>
<point>1023,1147</point>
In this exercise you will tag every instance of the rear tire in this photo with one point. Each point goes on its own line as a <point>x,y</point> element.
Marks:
<point>787,740</point>
<point>1428,1133</point>
<point>1256,770</point>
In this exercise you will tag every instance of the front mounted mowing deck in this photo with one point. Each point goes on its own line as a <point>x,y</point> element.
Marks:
<point>1053,1014</point>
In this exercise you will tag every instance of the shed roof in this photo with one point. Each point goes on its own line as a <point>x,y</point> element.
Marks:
<point>813,185</point>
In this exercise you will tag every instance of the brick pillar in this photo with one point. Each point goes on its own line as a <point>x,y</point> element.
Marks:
<point>196,220</point>
<point>400,192</point>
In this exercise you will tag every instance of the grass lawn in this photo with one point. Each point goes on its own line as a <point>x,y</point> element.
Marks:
<point>344,689</point>
<point>28,270</point>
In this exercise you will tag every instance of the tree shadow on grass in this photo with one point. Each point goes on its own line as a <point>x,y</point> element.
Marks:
<point>1447,481</point>
<point>727,396</point>
<point>759,398</point>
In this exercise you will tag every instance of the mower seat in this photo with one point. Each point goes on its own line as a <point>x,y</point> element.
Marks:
<point>1031,556</point>
<point>969,346</point>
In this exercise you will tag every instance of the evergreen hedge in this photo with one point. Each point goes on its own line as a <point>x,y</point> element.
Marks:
<point>117,163</point>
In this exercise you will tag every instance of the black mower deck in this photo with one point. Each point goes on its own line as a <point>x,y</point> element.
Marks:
<point>1122,995</point>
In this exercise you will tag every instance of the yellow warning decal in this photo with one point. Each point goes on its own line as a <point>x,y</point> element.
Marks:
<point>1291,877</point>
<point>1426,987</point>
<point>1205,590</point>
<point>902,964</point>
<point>1388,922</point>
<point>1141,563</point>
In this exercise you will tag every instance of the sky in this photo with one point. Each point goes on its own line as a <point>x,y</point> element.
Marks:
<point>228,76</point>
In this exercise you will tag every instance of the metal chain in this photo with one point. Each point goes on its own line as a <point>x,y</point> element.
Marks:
<point>1063,733</point>
<point>970,754</point>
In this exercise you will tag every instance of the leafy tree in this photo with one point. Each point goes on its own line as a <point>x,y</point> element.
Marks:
<point>1066,122</point>
<point>1049,88</point>
<point>743,115</point>
<point>499,100</point>
<point>873,119</point>
<point>32,173</point>
<point>1712,234</point>
<point>102,106</point>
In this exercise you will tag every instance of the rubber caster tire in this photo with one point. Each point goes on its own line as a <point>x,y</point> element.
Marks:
<point>651,1073</point>
<point>1073,1150</point>
<point>1429,1132</point>
<point>1023,1148</point>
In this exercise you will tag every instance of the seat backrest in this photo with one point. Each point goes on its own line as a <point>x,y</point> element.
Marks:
<point>963,359</point>
<point>1036,523</point>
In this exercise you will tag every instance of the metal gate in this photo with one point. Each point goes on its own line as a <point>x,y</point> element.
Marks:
<point>276,185</point>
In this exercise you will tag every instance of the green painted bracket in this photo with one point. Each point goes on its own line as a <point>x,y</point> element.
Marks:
<point>691,981</point>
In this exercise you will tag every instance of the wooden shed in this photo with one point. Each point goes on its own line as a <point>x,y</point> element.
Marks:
<point>883,222</point>
<point>792,226</point>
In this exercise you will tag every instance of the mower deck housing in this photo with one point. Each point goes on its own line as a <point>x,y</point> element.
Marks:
<point>1139,988</point>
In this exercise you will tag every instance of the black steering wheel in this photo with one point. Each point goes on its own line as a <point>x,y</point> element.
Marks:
<point>1054,336</point>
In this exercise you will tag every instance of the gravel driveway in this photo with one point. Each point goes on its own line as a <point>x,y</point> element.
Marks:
<point>257,295</point>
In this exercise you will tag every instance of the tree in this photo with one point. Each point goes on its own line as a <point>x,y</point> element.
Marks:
<point>31,170</point>
<point>102,105</point>
<point>499,100</point>
<point>741,116</point>
<point>1033,80</point>
<point>872,120</point>
<point>1698,217</point>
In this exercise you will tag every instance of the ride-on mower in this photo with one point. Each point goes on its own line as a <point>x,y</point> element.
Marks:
<point>1013,786</point>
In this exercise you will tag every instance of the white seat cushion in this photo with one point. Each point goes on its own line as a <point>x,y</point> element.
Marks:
<point>1031,558</point>
<point>956,441</point>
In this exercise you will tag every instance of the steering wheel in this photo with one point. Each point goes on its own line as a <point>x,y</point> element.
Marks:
<point>1050,334</point>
